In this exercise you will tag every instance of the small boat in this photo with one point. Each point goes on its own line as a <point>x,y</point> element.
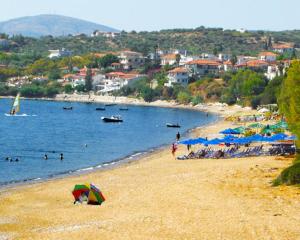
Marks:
<point>110,104</point>
<point>123,109</point>
<point>170,125</point>
<point>112,119</point>
<point>67,108</point>
<point>100,109</point>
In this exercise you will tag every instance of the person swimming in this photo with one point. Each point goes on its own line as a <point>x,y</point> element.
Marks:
<point>61,156</point>
<point>46,157</point>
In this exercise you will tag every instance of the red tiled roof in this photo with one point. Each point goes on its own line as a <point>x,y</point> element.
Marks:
<point>204,62</point>
<point>268,54</point>
<point>282,46</point>
<point>179,70</point>
<point>256,63</point>
<point>169,56</point>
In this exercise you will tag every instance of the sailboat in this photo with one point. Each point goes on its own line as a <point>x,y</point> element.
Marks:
<point>15,108</point>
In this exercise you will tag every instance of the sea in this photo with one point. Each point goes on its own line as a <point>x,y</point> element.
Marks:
<point>86,142</point>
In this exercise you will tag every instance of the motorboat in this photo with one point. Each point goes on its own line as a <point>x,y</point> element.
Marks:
<point>110,104</point>
<point>123,109</point>
<point>67,108</point>
<point>171,125</point>
<point>100,109</point>
<point>112,119</point>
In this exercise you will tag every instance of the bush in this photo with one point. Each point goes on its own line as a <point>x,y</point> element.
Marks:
<point>183,97</point>
<point>289,176</point>
<point>68,89</point>
<point>196,100</point>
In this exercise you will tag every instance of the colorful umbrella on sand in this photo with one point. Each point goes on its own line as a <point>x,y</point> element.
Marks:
<point>89,193</point>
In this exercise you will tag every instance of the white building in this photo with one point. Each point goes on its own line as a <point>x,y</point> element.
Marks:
<point>59,53</point>
<point>131,60</point>
<point>98,33</point>
<point>178,75</point>
<point>168,59</point>
<point>272,72</point>
<point>267,56</point>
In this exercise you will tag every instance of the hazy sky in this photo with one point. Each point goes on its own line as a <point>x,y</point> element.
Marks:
<point>161,14</point>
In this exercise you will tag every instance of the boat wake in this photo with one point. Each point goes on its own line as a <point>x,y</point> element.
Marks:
<point>19,115</point>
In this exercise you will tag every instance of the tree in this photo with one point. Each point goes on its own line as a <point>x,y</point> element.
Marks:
<point>68,88</point>
<point>178,57</point>
<point>289,105</point>
<point>233,59</point>
<point>88,80</point>
<point>107,60</point>
<point>183,97</point>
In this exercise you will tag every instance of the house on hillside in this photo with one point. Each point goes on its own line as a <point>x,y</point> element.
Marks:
<point>203,67</point>
<point>257,65</point>
<point>131,60</point>
<point>178,75</point>
<point>168,59</point>
<point>59,53</point>
<point>267,56</point>
<point>98,33</point>
<point>114,81</point>
<point>283,48</point>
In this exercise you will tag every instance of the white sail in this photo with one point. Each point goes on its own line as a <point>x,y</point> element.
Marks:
<point>16,105</point>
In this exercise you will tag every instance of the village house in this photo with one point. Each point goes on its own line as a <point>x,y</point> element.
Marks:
<point>227,66</point>
<point>114,81</point>
<point>168,59</point>
<point>257,65</point>
<point>178,75</point>
<point>59,53</point>
<point>267,56</point>
<point>98,33</point>
<point>283,48</point>
<point>131,60</point>
<point>203,67</point>
<point>272,72</point>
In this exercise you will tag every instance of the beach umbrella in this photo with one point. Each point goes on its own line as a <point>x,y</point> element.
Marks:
<point>281,124</point>
<point>293,137</point>
<point>80,190</point>
<point>214,141</point>
<point>256,125</point>
<point>229,131</point>
<point>88,192</point>
<point>278,137</point>
<point>95,196</point>
<point>267,131</point>
<point>193,141</point>
<point>241,130</point>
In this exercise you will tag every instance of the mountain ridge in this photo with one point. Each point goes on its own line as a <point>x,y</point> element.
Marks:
<point>50,24</point>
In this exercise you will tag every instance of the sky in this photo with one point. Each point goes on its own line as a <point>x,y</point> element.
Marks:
<point>152,15</point>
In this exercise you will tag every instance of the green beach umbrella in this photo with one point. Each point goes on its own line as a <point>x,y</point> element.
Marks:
<point>256,125</point>
<point>241,130</point>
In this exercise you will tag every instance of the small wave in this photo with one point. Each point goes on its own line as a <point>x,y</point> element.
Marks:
<point>85,169</point>
<point>20,115</point>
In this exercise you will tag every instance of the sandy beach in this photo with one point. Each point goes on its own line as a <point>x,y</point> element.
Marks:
<point>158,197</point>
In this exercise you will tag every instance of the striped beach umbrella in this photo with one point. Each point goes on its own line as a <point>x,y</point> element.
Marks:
<point>89,193</point>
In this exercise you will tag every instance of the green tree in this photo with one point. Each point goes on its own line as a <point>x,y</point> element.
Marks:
<point>88,80</point>
<point>68,89</point>
<point>289,105</point>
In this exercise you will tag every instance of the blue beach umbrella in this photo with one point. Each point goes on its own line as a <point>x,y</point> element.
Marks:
<point>278,137</point>
<point>214,141</point>
<point>230,131</point>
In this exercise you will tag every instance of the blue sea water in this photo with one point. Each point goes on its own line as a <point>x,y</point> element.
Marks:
<point>43,127</point>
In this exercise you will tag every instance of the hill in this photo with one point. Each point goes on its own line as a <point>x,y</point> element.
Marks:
<point>55,25</point>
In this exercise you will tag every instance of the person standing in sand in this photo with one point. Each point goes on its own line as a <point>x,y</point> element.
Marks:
<point>174,148</point>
